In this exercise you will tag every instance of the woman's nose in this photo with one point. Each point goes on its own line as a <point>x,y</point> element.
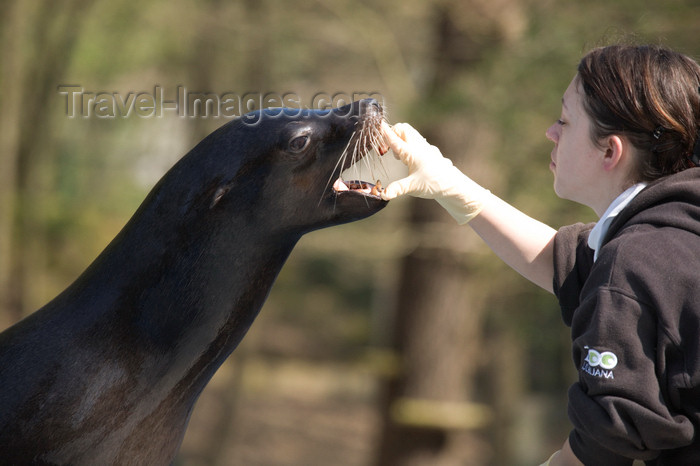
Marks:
<point>552,133</point>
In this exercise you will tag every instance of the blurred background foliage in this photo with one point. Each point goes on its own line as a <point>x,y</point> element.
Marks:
<point>398,340</point>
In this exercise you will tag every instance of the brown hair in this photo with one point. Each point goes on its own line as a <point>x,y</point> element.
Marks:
<point>650,95</point>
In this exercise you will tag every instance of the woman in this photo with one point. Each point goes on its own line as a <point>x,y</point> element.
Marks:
<point>626,145</point>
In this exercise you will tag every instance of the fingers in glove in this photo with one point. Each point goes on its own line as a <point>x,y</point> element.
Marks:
<point>397,188</point>
<point>409,134</point>
<point>395,137</point>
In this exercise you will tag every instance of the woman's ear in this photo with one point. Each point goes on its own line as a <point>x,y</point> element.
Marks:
<point>616,152</point>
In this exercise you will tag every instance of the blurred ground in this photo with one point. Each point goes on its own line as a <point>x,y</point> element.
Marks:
<point>284,413</point>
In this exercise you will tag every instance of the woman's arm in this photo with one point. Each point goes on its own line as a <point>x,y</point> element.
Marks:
<point>522,242</point>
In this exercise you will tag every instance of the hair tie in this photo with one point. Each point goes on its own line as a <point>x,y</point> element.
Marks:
<point>658,132</point>
<point>695,156</point>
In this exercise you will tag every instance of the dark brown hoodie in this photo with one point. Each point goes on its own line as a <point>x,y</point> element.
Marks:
<point>635,324</point>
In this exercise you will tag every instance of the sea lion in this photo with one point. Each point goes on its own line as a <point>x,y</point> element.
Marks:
<point>109,371</point>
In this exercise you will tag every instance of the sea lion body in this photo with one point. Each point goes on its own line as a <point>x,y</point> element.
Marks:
<point>109,371</point>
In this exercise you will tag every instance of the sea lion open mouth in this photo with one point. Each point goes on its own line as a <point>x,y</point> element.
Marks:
<point>367,139</point>
<point>357,186</point>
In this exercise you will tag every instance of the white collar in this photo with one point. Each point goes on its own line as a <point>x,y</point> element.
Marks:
<point>597,234</point>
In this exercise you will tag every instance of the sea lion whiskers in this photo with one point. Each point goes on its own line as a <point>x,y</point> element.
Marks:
<point>372,141</point>
<point>365,139</point>
<point>338,165</point>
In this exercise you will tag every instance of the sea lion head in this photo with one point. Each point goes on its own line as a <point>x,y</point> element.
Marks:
<point>281,168</point>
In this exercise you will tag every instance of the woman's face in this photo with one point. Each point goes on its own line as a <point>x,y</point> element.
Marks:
<point>575,154</point>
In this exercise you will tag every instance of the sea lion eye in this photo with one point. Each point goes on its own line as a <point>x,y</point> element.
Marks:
<point>299,143</point>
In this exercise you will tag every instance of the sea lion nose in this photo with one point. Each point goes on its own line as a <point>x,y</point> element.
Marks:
<point>370,108</point>
<point>370,105</point>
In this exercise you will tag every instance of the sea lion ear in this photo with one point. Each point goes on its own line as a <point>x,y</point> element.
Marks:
<point>219,194</point>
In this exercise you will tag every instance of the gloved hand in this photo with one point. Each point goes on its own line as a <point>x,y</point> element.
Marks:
<point>431,176</point>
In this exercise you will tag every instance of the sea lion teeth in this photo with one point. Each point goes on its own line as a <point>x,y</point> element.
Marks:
<point>377,188</point>
<point>358,186</point>
<point>340,186</point>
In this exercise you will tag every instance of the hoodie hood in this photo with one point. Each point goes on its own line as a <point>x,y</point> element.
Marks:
<point>672,201</point>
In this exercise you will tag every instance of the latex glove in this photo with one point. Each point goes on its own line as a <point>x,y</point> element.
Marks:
<point>430,175</point>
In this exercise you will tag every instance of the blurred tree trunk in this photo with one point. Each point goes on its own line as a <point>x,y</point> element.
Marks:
<point>429,414</point>
<point>38,39</point>
<point>10,76</point>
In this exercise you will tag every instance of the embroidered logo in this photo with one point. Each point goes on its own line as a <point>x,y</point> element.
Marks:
<point>599,364</point>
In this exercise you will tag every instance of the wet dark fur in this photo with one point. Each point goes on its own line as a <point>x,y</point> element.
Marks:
<point>109,371</point>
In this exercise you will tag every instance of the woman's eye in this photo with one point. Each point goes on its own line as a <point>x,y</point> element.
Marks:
<point>299,143</point>
<point>560,122</point>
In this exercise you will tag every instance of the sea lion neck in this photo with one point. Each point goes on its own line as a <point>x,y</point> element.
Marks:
<point>185,282</point>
